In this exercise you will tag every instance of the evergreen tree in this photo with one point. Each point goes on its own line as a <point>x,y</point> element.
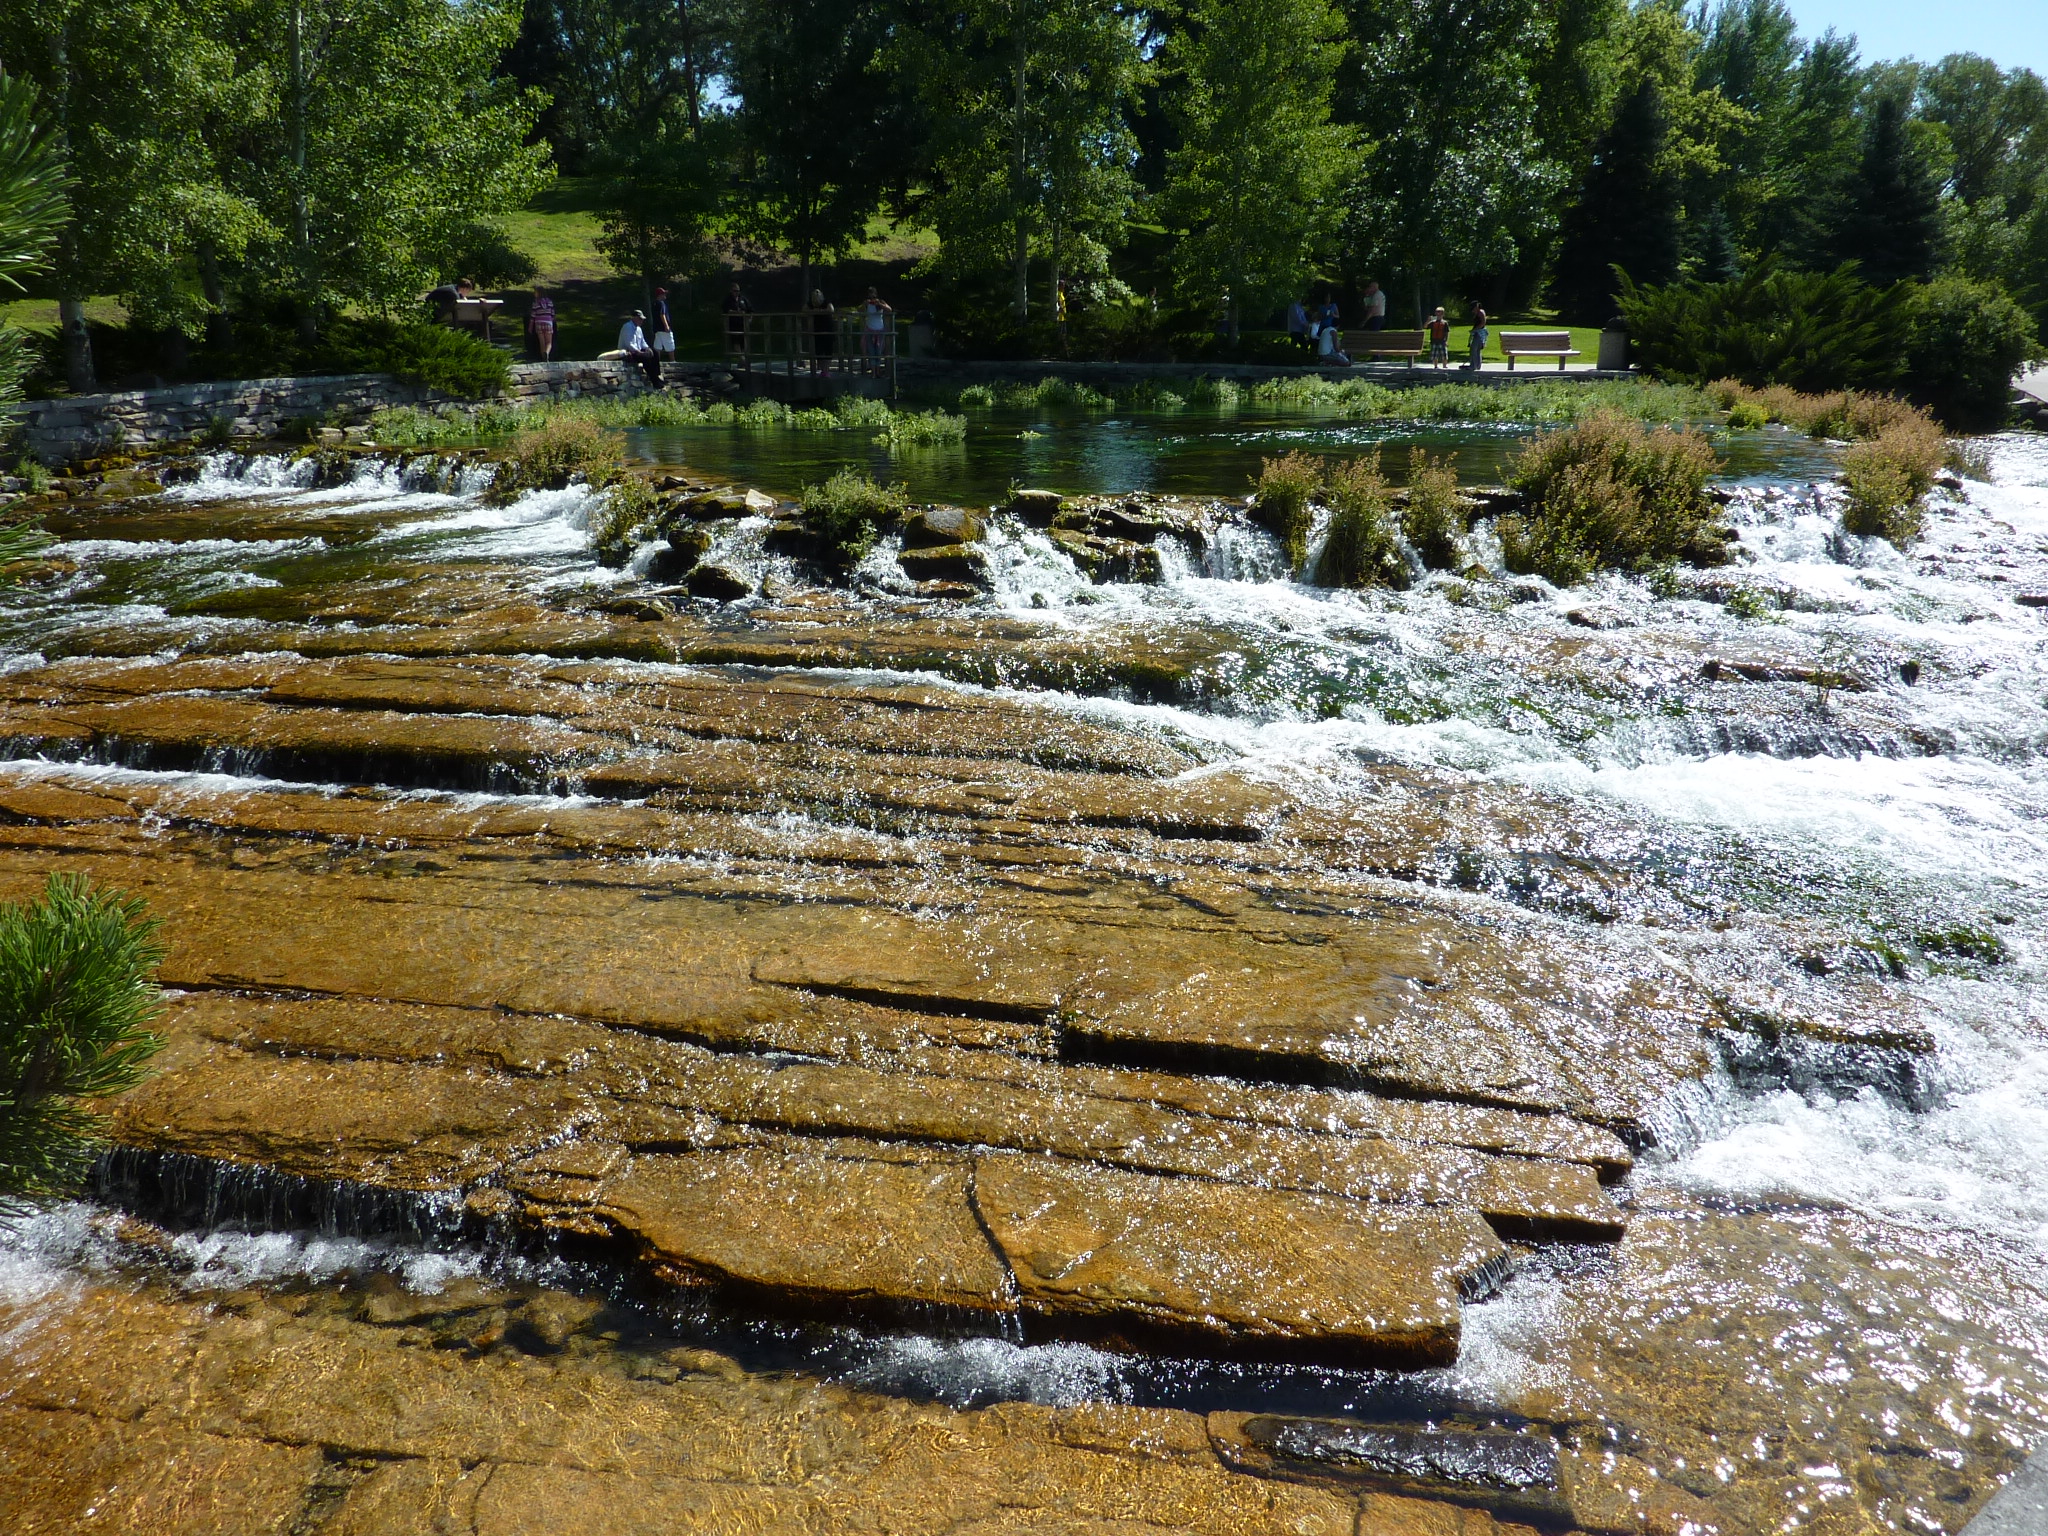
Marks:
<point>1887,216</point>
<point>1627,213</point>
<point>76,998</point>
<point>1254,184</point>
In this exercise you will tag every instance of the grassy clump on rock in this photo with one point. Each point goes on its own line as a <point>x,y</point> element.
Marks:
<point>553,455</point>
<point>1363,546</point>
<point>77,994</point>
<point>1284,492</point>
<point>1607,494</point>
<point>1435,517</point>
<point>849,512</point>
<point>1889,475</point>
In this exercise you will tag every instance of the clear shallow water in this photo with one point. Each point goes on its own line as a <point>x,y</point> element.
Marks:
<point>1193,452</point>
<point>1880,1259</point>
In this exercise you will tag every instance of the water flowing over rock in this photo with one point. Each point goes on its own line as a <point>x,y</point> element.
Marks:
<point>1053,942</point>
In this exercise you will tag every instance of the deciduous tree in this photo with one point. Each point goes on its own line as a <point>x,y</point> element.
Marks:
<point>1255,183</point>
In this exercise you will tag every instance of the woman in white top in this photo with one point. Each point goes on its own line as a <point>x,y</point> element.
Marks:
<point>875,317</point>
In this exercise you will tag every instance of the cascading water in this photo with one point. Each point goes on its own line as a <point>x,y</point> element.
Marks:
<point>1821,766</point>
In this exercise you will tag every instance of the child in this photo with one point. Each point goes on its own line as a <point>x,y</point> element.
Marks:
<point>540,319</point>
<point>1439,337</point>
<point>1478,337</point>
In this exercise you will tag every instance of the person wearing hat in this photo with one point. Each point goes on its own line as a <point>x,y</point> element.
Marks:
<point>633,342</point>
<point>664,327</point>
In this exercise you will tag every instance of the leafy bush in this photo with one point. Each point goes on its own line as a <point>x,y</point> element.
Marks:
<point>436,357</point>
<point>1284,489</point>
<point>849,512</point>
<point>1816,331</point>
<point>551,455</point>
<point>1607,494</point>
<point>1362,548</point>
<point>1887,477</point>
<point>977,397</point>
<point>1968,338</point>
<point>77,995</point>
<point>917,429</point>
<point>1434,519</point>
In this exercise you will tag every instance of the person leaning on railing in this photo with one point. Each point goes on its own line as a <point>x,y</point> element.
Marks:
<point>875,319</point>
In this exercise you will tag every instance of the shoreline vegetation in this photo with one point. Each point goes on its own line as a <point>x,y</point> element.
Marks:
<point>1846,416</point>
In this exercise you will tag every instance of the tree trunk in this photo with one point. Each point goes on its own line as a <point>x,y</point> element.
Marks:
<point>692,75</point>
<point>1053,288</point>
<point>302,219</point>
<point>1019,171</point>
<point>78,370</point>
<point>217,332</point>
<point>1421,319</point>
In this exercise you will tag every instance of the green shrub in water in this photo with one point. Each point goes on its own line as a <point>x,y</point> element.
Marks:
<point>849,512</point>
<point>626,506</point>
<point>1888,476</point>
<point>1285,488</point>
<point>921,429</point>
<point>77,994</point>
<point>977,397</point>
<point>552,455</point>
<point>1607,494</point>
<point>1362,548</point>
<point>1435,518</point>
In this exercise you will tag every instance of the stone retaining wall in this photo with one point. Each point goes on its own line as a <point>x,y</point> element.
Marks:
<point>83,426</point>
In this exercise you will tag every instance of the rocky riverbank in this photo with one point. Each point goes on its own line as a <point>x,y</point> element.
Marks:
<point>789,959</point>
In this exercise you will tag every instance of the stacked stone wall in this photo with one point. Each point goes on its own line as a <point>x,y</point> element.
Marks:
<point>86,426</point>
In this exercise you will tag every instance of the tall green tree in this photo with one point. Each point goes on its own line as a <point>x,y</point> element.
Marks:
<point>1026,102</point>
<point>616,70</point>
<point>387,138</point>
<point>1254,185</point>
<point>32,212</point>
<point>138,96</point>
<point>1798,133</point>
<point>663,200</point>
<point>822,133</point>
<point>1627,214</point>
<point>1455,181</point>
<point>1887,215</point>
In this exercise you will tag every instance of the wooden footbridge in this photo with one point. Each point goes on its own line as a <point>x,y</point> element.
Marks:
<point>803,355</point>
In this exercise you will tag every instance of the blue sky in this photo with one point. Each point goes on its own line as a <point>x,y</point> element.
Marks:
<point>2014,32</point>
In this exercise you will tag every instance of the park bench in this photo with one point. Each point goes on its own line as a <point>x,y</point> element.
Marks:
<point>1408,344</point>
<point>1557,344</point>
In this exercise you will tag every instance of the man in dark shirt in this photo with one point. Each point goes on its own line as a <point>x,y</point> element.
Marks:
<point>664,328</point>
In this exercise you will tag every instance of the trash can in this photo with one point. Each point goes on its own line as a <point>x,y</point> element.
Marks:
<point>1614,346</point>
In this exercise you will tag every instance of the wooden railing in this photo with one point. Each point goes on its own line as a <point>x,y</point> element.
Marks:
<point>796,344</point>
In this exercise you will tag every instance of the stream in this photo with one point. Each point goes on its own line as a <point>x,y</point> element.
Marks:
<point>1811,785</point>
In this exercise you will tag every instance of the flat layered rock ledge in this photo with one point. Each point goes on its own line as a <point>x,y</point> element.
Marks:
<point>848,998</point>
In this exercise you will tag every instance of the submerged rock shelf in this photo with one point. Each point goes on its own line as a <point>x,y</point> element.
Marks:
<point>977,972</point>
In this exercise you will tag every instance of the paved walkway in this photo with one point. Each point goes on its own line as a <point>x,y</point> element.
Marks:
<point>2020,1508</point>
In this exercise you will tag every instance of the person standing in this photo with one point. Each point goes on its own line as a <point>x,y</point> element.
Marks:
<point>664,330</point>
<point>824,331</point>
<point>1439,329</point>
<point>1298,329</point>
<point>736,311</point>
<point>1375,308</point>
<point>1479,338</point>
<point>1059,314</point>
<point>875,319</point>
<point>540,322</point>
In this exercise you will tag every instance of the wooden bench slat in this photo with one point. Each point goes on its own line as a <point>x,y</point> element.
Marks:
<point>1408,344</point>
<point>1557,344</point>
